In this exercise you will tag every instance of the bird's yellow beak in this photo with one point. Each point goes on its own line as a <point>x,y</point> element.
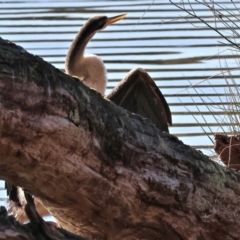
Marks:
<point>115,19</point>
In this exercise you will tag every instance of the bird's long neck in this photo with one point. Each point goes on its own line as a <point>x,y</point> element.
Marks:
<point>89,68</point>
<point>76,50</point>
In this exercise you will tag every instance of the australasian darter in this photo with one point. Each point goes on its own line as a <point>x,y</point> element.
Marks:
<point>137,93</point>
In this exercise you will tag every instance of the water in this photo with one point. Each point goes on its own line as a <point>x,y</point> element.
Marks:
<point>176,53</point>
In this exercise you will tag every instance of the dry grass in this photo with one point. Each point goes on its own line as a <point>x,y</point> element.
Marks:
<point>229,122</point>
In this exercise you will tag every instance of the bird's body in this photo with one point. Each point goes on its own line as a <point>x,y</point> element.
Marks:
<point>137,92</point>
<point>17,203</point>
<point>90,71</point>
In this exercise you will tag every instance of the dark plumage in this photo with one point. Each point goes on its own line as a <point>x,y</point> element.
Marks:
<point>138,94</point>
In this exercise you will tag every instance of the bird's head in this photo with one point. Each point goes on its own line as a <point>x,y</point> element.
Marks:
<point>95,24</point>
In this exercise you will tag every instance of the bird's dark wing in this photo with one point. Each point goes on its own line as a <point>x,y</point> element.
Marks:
<point>138,94</point>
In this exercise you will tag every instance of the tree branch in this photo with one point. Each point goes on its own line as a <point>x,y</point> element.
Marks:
<point>103,172</point>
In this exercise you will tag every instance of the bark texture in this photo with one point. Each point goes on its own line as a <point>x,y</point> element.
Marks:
<point>103,172</point>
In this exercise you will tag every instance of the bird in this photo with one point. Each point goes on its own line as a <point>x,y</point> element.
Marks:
<point>17,203</point>
<point>137,93</point>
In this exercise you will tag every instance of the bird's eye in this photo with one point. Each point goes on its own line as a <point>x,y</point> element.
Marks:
<point>102,24</point>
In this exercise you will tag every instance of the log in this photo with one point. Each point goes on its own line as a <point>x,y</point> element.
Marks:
<point>103,172</point>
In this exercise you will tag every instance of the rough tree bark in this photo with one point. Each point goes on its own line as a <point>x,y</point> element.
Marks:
<point>103,172</point>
